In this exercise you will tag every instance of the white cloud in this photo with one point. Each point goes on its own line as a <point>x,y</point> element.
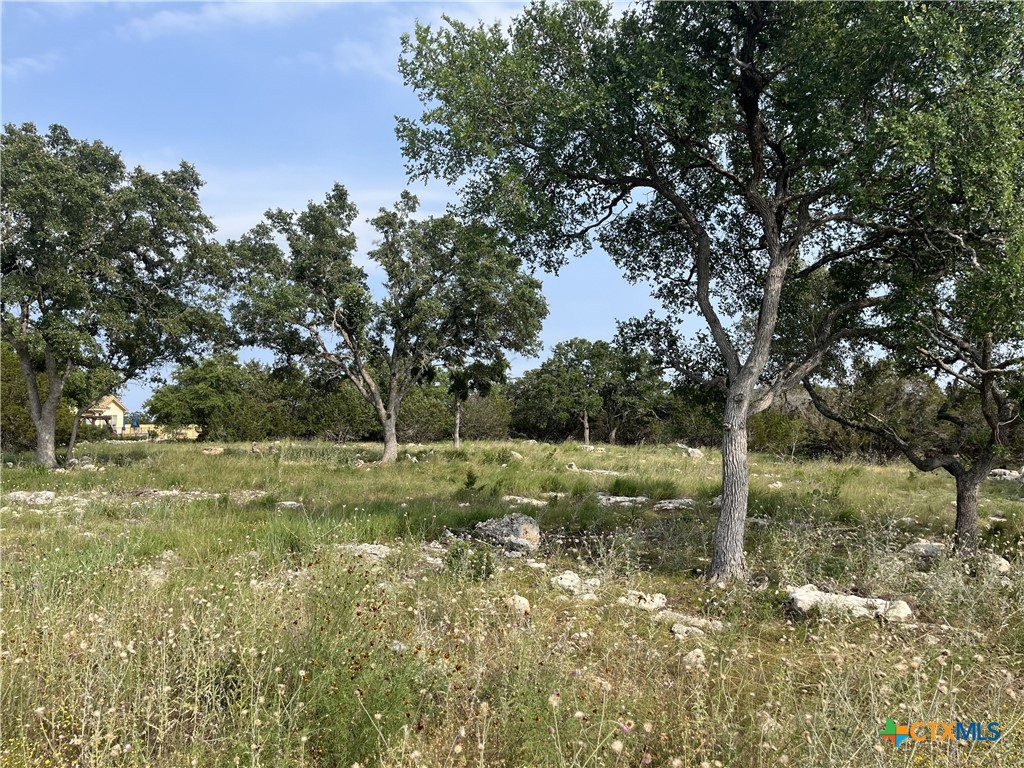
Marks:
<point>210,16</point>
<point>27,66</point>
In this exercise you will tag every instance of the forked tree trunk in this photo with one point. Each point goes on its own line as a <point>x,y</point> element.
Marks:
<point>43,412</point>
<point>390,439</point>
<point>70,454</point>
<point>458,420</point>
<point>46,438</point>
<point>727,561</point>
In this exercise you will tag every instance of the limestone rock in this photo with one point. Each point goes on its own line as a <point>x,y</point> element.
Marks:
<point>635,599</point>
<point>809,597</point>
<point>606,500</point>
<point>1005,474</point>
<point>523,501</point>
<point>213,451</point>
<point>32,498</point>
<point>289,505</point>
<point>372,552</point>
<point>695,659</point>
<point>568,581</point>
<point>683,631</point>
<point>678,619</point>
<point>996,564</point>
<point>515,532</point>
<point>668,505</point>
<point>924,548</point>
<point>693,453</point>
<point>518,604</point>
<point>517,455</point>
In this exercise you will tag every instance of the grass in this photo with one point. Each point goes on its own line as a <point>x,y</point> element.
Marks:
<point>167,612</point>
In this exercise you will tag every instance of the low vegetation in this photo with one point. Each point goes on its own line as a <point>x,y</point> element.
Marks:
<point>166,609</point>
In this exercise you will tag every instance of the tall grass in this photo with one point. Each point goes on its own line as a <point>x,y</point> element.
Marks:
<point>167,612</point>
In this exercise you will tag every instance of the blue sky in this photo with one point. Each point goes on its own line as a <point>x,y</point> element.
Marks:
<point>272,102</point>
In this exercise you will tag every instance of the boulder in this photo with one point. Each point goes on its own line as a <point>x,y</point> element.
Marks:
<point>214,451</point>
<point>1005,474</point>
<point>515,532</point>
<point>809,597</point>
<point>289,505</point>
<point>695,659</point>
<point>568,581</point>
<point>523,501</point>
<point>924,548</point>
<point>683,631</point>
<point>635,599</point>
<point>518,604</point>
<point>693,453</point>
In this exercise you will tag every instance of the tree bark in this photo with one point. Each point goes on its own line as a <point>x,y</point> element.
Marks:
<point>390,439</point>
<point>727,561</point>
<point>458,420</point>
<point>70,454</point>
<point>46,438</point>
<point>43,412</point>
<point>586,428</point>
<point>965,534</point>
<point>612,434</point>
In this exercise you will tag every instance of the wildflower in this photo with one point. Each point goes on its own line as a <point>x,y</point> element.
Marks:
<point>627,726</point>
<point>617,747</point>
<point>554,700</point>
<point>40,711</point>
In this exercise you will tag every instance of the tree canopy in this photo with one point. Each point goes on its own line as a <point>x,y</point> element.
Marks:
<point>453,292</point>
<point>724,151</point>
<point>104,269</point>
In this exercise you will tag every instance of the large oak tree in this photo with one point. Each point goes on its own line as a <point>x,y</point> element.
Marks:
<point>453,292</point>
<point>721,150</point>
<point>107,271</point>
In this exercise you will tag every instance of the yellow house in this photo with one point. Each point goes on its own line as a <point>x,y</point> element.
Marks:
<point>110,413</point>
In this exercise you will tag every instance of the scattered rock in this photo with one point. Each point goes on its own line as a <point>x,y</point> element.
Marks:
<point>995,563</point>
<point>289,505</point>
<point>809,597</point>
<point>677,618</point>
<point>568,581</point>
<point>32,498</point>
<point>523,501</point>
<point>518,605</point>
<point>1006,474</point>
<point>605,500</point>
<point>667,505</point>
<point>635,599</point>
<point>213,451</point>
<point>411,459</point>
<point>776,485</point>
<point>695,659</point>
<point>517,455</point>
<point>397,646</point>
<point>371,552</point>
<point>593,449</point>
<point>515,532</point>
<point>571,466</point>
<point>717,502</point>
<point>924,549</point>
<point>683,631</point>
<point>693,453</point>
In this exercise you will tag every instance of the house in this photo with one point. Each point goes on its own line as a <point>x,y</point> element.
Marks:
<point>110,413</point>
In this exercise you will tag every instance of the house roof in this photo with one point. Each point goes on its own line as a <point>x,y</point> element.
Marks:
<point>106,401</point>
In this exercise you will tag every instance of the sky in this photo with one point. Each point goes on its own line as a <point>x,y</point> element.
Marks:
<point>272,103</point>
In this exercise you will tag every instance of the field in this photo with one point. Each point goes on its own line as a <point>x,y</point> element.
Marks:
<point>165,608</point>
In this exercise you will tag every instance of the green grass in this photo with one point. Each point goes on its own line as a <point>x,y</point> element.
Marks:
<point>167,612</point>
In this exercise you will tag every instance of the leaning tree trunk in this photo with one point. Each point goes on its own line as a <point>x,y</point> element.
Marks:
<point>74,433</point>
<point>586,428</point>
<point>458,421</point>
<point>727,561</point>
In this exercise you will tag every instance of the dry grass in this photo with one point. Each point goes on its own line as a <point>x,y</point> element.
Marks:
<point>209,627</point>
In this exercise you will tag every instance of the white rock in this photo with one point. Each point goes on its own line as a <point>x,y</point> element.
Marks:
<point>776,485</point>
<point>695,659</point>
<point>289,505</point>
<point>518,604</point>
<point>924,548</point>
<point>605,500</point>
<point>372,552</point>
<point>672,504</point>
<point>568,581</point>
<point>514,533</point>
<point>677,618</point>
<point>214,451</point>
<point>517,455</point>
<point>683,631</point>
<point>809,597</point>
<point>523,501</point>
<point>635,599</point>
<point>32,498</point>
<point>1004,474</point>
<point>997,564</point>
<point>587,597</point>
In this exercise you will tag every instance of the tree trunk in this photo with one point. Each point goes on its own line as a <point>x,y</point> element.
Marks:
<point>586,428</point>
<point>390,439</point>
<point>74,434</point>
<point>965,534</point>
<point>46,438</point>
<point>611,435</point>
<point>727,561</point>
<point>458,420</point>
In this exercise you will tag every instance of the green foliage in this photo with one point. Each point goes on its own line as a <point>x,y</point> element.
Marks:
<point>468,562</point>
<point>487,418</point>
<point>17,432</point>
<point>106,271</point>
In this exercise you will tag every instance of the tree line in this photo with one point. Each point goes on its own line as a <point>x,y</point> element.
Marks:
<point>827,186</point>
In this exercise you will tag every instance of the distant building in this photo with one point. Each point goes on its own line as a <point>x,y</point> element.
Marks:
<point>110,413</point>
